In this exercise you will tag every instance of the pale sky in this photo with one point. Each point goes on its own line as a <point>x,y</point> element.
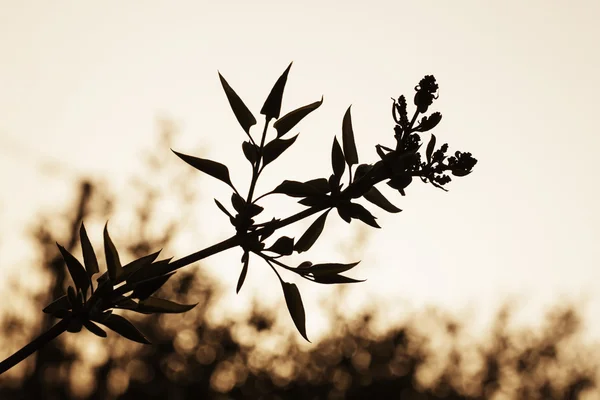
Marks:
<point>82,83</point>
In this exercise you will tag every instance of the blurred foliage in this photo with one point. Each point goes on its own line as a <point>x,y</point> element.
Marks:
<point>428,357</point>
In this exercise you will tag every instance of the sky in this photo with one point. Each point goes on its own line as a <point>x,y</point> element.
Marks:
<point>83,83</point>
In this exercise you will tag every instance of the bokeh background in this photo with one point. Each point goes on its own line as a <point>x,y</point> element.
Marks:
<point>487,291</point>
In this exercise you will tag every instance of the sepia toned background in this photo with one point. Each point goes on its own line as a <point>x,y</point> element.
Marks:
<point>98,92</point>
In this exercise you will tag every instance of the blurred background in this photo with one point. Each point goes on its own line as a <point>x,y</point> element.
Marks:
<point>487,291</point>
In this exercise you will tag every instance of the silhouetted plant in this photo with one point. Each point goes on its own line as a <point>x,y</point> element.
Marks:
<point>132,286</point>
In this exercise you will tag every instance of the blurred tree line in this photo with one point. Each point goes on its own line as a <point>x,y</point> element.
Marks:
<point>428,357</point>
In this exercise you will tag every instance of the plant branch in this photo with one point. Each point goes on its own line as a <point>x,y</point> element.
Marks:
<point>35,345</point>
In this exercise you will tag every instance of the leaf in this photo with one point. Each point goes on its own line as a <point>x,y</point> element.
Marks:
<point>284,124</point>
<point>89,257</point>
<point>113,263</point>
<point>250,152</point>
<point>155,305</point>
<point>136,265</point>
<point>60,304</point>
<point>359,212</point>
<point>296,189</point>
<point>430,147</point>
<point>344,212</point>
<point>304,265</point>
<point>243,115</point>
<point>331,268</point>
<point>72,297</point>
<point>76,270</point>
<point>312,234</point>
<point>124,328</point>
<point>212,168</point>
<point>253,209</point>
<point>272,106</point>
<point>321,184</point>
<point>375,197</point>
<point>333,279</point>
<point>145,289</point>
<point>428,123</point>
<point>284,246</point>
<point>348,140</point>
<point>242,277</point>
<point>275,148</point>
<point>238,202</point>
<point>95,329</point>
<point>222,208</point>
<point>295,307</point>
<point>337,159</point>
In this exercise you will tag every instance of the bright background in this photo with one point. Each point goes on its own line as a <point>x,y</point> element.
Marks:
<point>82,84</point>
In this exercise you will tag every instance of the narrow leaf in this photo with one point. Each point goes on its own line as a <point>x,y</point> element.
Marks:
<point>430,148</point>
<point>113,263</point>
<point>145,289</point>
<point>295,307</point>
<point>60,304</point>
<point>272,106</point>
<point>284,246</point>
<point>284,124</point>
<point>333,279</point>
<point>242,277</point>
<point>95,329</point>
<point>222,208</point>
<point>359,212</point>
<point>312,234</point>
<point>136,265</point>
<point>89,257</point>
<point>337,159</point>
<point>331,268</point>
<point>275,148</point>
<point>156,305</point>
<point>375,197</point>
<point>348,140</point>
<point>76,270</point>
<point>212,168</point>
<point>243,115</point>
<point>296,189</point>
<point>124,328</point>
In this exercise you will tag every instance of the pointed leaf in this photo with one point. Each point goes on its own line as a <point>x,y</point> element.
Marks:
<point>284,246</point>
<point>321,184</point>
<point>212,168</point>
<point>243,115</point>
<point>250,152</point>
<point>76,270</point>
<point>253,209</point>
<point>337,159</point>
<point>375,197</point>
<point>145,289</point>
<point>348,140</point>
<point>359,212</point>
<point>295,307</point>
<point>155,305</point>
<point>331,268</point>
<point>113,263</point>
<point>89,257</point>
<point>332,279</point>
<point>304,265</point>
<point>238,202</point>
<point>430,147</point>
<point>222,208</point>
<point>60,304</point>
<point>95,329</point>
<point>275,148</point>
<point>136,265</point>
<point>242,277</point>
<point>124,328</point>
<point>312,234</point>
<point>284,124</point>
<point>272,106</point>
<point>296,189</point>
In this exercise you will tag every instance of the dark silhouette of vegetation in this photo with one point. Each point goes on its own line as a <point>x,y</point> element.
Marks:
<point>132,286</point>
